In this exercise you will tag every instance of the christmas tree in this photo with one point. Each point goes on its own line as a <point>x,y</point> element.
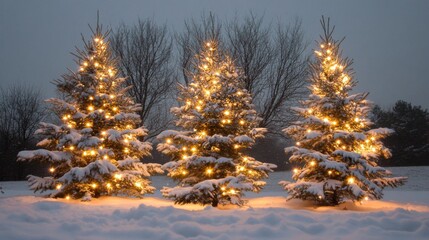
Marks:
<point>218,122</point>
<point>335,147</point>
<point>97,147</point>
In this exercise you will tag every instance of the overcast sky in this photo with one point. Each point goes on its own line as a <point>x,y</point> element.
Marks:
<point>388,40</point>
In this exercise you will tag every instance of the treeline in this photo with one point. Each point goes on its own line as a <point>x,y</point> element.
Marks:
<point>410,142</point>
<point>273,56</point>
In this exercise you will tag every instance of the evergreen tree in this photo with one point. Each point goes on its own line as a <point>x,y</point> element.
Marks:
<point>97,147</point>
<point>335,149</point>
<point>218,122</point>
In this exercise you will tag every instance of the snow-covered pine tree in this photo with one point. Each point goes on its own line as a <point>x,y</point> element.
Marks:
<point>97,147</point>
<point>335,147</point>
<point>218,122</point>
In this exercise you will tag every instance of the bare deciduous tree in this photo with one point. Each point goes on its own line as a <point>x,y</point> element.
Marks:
<point>285,79</point>
<point>144,52</point>
<point>250,45</point>
<point>21,110</point>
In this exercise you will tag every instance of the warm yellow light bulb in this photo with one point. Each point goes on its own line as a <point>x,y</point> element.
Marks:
<point>232,191</point>
<point>329,172</point>
<point>312,163</point>
<point>51,169</point>
<point>94,185</point>
<point>346,79</point>
<point>242,122</point>
<point>91,108</point>
<point>118,176</point>
<point>298,143</point>
<point>350,180</point>
<point>168,140</point>
<point>209,171</point>
<point>295,170</point>
<point>138,184</point>
<point>193,149</point>
<point>58,187</point>
<point>184,172</point>
<point>226,113</point>
<point>109,185</point>
<point>67,197</point>
<point>338,141</point>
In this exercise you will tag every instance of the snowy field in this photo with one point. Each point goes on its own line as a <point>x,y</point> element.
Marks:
<point>403,214</point>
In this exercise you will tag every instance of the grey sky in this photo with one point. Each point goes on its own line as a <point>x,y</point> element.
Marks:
<point>388,40</point>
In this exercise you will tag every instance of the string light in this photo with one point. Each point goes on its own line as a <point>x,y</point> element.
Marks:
<point>209,171</point>
<point>350,180</point>
<point>94,185</point>
<point>51,169</point>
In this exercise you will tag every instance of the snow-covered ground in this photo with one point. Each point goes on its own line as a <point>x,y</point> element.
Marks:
<point>403,214</point>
